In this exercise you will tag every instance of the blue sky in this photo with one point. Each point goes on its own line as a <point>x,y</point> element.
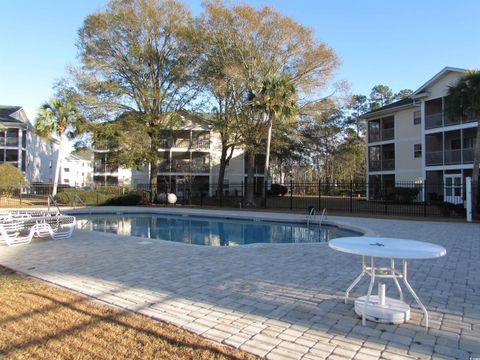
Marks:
<point>397,43</point>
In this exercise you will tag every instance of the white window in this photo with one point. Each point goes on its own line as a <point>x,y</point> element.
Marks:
<point>417,150</point>
<point>417,117</point>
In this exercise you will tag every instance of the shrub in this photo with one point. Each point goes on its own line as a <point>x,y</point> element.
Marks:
<point>277,189</point>
<point>130,199</point>
<point>89,197</point>
<point>402,194</point>
<point>11,180</point>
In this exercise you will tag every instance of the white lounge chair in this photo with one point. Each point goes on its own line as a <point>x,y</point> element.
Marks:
<point>11,233</point>
<point>26,214</point>
<point>57,227</point>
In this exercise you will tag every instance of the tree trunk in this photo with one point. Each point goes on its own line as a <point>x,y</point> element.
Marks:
<point>221,172</point>
<point>267,163</point>
<point>475,176</point>
<point>56,172</point>
<point>153,179</point>
<point>249,183</point>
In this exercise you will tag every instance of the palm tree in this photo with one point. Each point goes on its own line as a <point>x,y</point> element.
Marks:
<point>464,101</point>
<point>56,118</point>
<point>277,100</point>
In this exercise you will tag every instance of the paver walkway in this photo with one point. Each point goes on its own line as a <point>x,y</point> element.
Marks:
<point>279,301</point>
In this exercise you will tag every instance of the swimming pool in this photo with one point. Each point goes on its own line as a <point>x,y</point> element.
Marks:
<point>209,231</point>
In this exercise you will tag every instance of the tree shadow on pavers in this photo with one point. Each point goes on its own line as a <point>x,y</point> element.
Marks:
<point>299,286</point>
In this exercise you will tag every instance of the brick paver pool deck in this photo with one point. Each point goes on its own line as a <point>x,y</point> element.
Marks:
<point>278,301</point>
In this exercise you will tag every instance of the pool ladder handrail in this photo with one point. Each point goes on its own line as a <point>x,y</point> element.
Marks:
<point>323,217</point>
<point>310,214</point>
<point>79,199</point>
<point>51,202</point>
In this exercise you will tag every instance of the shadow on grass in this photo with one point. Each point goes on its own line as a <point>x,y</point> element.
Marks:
<point>83,308</point>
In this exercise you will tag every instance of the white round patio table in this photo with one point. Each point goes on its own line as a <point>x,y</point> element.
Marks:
<point>381,308</point>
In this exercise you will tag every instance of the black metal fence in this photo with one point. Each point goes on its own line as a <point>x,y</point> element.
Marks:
<point>411,199</point>
<point>401,199</point>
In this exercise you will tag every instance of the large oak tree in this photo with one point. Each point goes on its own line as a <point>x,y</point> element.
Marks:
<point>136,60</point>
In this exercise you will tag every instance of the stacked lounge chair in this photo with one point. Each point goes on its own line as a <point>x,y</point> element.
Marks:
<point>20,227</point>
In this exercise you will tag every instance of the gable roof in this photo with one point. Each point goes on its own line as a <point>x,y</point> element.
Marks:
<point>436,77</point>
<point>6,113</point>
<point>400,104</point>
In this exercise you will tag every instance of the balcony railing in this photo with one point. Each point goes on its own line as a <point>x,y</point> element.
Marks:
<point>433,158</point>
<point>373,136</point>
<point>449,157</point>
<point>433,121</point>
<point>184,166</point>
<point>453,157</point>
<point>105,169</point>
<point>185,143</point>
<point>182,143</point>
<point>468,154</point>
<point>374,165</point>
<point>201,144</point>
<point>445,119</point>
<point>451,120</point>
<point>166,143</point>
<point>388,164</point>
<point>388,134</point>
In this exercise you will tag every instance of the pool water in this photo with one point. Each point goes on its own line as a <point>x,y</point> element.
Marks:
<point>209,231</point>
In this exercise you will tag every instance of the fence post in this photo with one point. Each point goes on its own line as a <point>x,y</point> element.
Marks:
<point>351,196</point>
<point>468,198</point>
<point>97,196</point>
<point>242,194</point>
<point>425,198</point>
<point>291,194</point>
<point>265,185</point>
<point>319,195</point>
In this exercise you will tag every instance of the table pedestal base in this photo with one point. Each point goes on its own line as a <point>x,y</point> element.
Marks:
<point>393,312</point>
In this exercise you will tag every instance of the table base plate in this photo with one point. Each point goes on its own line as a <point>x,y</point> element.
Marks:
<point>394,312</point>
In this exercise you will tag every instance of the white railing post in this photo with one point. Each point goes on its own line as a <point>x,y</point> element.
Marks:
<point>468,198</point>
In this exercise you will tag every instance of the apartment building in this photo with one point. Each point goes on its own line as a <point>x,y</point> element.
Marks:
<point>190,159</point>
<point>418,140</point>
<point>76,170</point>
<point>21,147</point>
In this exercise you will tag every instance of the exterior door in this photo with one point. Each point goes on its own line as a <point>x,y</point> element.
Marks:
<point>453,192</point>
